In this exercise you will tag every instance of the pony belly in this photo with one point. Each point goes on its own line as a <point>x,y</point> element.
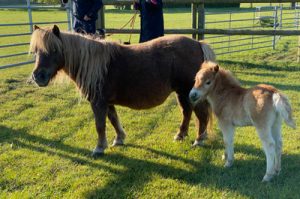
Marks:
<point>246,121</point>
<point>141,100</point>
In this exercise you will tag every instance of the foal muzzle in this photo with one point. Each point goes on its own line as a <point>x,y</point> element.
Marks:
<point>195,96</point>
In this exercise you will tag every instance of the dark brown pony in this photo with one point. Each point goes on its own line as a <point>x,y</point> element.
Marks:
<point>137,76</point>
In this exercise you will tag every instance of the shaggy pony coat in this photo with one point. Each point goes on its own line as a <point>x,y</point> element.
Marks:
<point>262,106</point>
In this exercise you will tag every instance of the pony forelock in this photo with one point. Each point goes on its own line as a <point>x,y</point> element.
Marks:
<point>44,40</point>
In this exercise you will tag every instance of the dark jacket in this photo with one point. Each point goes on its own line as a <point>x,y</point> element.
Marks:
<point>86,7</point>
<point>152,22</point>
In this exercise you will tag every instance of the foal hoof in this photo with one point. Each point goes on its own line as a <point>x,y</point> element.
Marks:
<point>267,178</point>
<point>98,152</point>
<point>228,164</point>
<point>198,143</point>
<point>118,142</point>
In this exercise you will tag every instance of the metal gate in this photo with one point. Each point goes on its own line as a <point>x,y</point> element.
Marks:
<point>10,40</point>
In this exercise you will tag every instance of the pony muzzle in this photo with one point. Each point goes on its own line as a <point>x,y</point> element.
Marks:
<point>41,78</point>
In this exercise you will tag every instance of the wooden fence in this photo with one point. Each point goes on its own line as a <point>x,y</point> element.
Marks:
<point>197,29</point>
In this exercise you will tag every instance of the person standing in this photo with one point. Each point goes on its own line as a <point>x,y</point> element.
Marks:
<point>85,14</point>
<point>152,22</point>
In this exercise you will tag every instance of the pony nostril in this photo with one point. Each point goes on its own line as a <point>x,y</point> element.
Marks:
<point>193,96</point>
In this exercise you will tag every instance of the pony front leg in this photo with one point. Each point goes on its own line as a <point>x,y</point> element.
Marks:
<point>228,137</point>
<point>114,119</point>
<point>186,110</point>
<point>100,112</point>
<point>202,118</point>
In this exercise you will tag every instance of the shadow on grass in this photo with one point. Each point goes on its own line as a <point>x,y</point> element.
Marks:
<point>244,178</point>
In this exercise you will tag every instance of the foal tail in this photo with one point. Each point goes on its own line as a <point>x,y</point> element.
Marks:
<point>283,106</point>
<point>208,52</point>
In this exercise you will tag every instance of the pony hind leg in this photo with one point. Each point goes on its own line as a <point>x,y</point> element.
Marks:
<point>276,133</point>
<point>228,138</point>
<point>268,143</point>
<point>114,119</point>
<point>186,109</point>
<point>202,118</point>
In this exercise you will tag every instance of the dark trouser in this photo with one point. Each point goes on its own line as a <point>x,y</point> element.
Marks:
<point>86,27</point>
<point>152,22</point>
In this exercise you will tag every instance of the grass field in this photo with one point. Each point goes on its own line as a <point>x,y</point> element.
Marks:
<point>47,134</point>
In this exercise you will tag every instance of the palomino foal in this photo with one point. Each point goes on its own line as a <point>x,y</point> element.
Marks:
<point>262,106</point>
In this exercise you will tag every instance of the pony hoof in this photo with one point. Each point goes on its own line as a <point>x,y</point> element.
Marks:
<point>267,178</point>
<point>178,138</point>
<point>118,142</point>
<point>198,143</point>
<point>98,152</point>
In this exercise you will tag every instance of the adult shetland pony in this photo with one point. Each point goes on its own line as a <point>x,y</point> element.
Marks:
<point>262,106</point>
<point>138,76</point>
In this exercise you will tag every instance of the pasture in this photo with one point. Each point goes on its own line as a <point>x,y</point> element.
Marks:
<point>47,134</point>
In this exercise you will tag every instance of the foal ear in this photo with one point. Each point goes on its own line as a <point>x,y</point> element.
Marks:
<point>35,27</point>
<point>56,30</point>
<point>216,68</point>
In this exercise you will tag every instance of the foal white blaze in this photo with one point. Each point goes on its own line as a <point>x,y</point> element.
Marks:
<point>262,106</point>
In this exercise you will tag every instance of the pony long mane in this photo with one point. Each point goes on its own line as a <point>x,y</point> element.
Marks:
<point>86,58</point>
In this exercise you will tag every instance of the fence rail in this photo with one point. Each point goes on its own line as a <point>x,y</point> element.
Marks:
<point>29,7</point>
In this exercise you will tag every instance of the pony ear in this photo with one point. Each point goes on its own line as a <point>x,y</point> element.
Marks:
<point>216,68</point>
<point>56,30</point>
<point>35,27</point>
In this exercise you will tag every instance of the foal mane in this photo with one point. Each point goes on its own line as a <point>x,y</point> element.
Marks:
<point>86,58</point>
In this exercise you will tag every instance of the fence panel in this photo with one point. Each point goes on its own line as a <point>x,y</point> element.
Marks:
<point>15,32</point>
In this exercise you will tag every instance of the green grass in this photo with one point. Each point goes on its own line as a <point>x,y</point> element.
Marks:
<point>47,134</point>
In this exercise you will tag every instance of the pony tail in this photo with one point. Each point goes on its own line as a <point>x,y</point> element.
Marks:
<point>282,105</point>
<point>208,52</point>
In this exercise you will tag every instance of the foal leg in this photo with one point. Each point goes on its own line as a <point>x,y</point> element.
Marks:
<point>269,148</point>
<point>228,137</point>
<point>202,117</point>
<point>114,119</point>
<point>186,109</point>
<point>100,112</point>
<point>276,133</point>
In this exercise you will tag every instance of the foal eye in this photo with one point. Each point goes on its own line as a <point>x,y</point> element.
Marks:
<point>208,83</point>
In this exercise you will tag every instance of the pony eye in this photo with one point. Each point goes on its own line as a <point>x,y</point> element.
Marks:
<point>208,83</point>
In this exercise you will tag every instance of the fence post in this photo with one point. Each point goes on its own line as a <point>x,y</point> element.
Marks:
<point>69,15</point>
<point>194,18</point>
<point>230,17</point>
<point>201,20</point>
<point>29,15</point>
<point>275,15</point>
<point>100,23</point>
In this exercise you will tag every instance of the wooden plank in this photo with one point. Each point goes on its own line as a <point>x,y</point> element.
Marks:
<point>100,23</point>
<point>201,20</point>
<point>194,18</point>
